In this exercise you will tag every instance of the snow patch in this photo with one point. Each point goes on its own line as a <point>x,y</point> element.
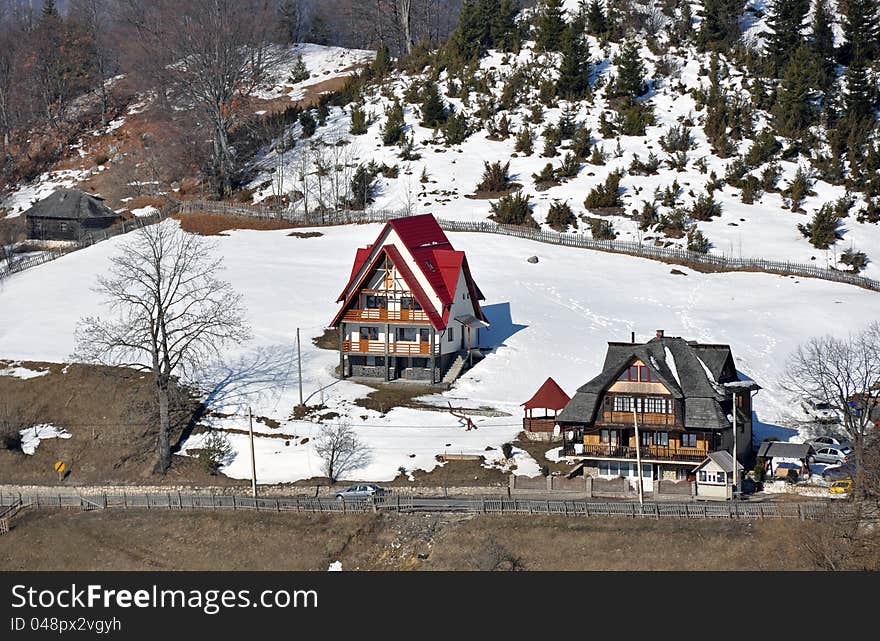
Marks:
<point>31,436</point>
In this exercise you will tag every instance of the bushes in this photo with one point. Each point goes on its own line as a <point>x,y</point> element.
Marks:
<point>581,143</point>
<point>856,260</point>
<point>560,216</point>
<point>647,168</point>
<point>602,229</point>
<point>525,141</point>
<point>570,166</point>
<point>764,147</point>
<point>676,139</point>
<point>507,450</point>
<point>705,208</point>
<point>214,451</point>
<point>308,124</point>
<point>392,131</point>
<point>674,224</point>
<point>799,188</point>
<point>456,130</point>
<point>607,195</point>
<point>546,177</point>
<point>433,108</point>
<point>358,121</point>
<point>821,231</point>
<point>513,209</point>
<point>697,242</point>
<point>495,177</point>
<point>648,217</point>
<point>363,186</point>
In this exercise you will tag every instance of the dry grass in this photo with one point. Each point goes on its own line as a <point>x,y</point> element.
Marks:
<point>157,540</point>
<point>208,224</point>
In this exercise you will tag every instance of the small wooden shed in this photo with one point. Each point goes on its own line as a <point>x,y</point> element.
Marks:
<point>549,398</point>
<point>68,214</point>
<point>715,476</point>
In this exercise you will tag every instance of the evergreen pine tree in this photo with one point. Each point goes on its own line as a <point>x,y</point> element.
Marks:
<point>630,72</point>
<point>786,18</point>
<point>596,23</point>
<point>574,71</point>
<point>382,62</point>
<point>550,24</point>
<point>433,108</point>
<point>795,110</point>
<point>471,37</point>
<point>861,30</point>
<point>503,31</point>
<point>860,96</point>
<point>822,42</point>
<point>392,131</point>
<point>720,27</point>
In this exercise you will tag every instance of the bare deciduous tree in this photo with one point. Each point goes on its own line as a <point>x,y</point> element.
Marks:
<point>340,450</point>
<point>169,314</point>
<point>843,372</point>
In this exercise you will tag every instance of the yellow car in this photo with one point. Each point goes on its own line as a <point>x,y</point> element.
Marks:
<point>841,487</point>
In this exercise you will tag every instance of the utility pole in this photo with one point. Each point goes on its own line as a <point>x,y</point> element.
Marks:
<point>253,456</point>
<point>734,441</point>
<point>299,367</point>
<point>638,452</point>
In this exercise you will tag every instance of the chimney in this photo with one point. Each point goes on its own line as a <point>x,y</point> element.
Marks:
<point>659,333</point>
<point>633,338</point>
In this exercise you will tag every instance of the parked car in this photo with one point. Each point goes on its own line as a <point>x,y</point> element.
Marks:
<point>839,472</point>
<point>822,441</point>
<point>820,411</point>
<point>839,488</point>
<point>360,491</point>
<point>833,454</point>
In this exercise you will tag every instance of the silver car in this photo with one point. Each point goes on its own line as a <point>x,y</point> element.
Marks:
<point>833,454</point>
<point>360,491</point>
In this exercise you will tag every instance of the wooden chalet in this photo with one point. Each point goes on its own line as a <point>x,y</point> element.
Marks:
<point>549,398</point>
<point>68,214</point>
<point>680,395</point>
<point>410,309</point>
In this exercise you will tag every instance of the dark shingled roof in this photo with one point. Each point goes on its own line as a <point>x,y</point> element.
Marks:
<point>770,449</point>
<point>70,204</point>
<point>689,370</point>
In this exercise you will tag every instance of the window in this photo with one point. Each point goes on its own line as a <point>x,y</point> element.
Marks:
<point>703,477</point>
<point>451,334</point>
<point>644,373</point>
<point>646,438</point>
<point>369,333</point>
<point>655,405</point>
<point>424,335</point>
<point>661,438</point>
<point>623,403</point>
<point>603,436</point>
<point>420,362</point>
<point>406,333</point>
<point>688,440</point>
<point>374,302</point>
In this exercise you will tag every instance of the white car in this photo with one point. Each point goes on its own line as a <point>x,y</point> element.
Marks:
<point>821,441</point>
<point>833,454</point>
<point>820,411</point>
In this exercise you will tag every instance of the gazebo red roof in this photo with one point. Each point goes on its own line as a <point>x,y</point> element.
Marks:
<point>550,396</point>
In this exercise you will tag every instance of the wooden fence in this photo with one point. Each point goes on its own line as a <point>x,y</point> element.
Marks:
<point>409,504</point>
<point>696,260</point>
<point>123,227</point>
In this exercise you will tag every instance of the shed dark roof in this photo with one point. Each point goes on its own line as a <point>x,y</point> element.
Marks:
<point>70,204</point>
<point>723,459</point>
<point>689,370</point>
<point>549,396</point>
<point>770,449</point>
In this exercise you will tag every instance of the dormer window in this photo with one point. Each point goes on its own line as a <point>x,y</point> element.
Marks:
<point>636,374</point>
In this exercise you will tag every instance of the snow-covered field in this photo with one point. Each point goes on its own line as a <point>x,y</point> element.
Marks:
<point>552,318</point>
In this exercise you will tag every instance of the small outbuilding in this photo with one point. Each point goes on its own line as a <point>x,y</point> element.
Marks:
<point>715,476</point>
<point>549,398</point>
<point>778,457</point>
<point>68,214</point>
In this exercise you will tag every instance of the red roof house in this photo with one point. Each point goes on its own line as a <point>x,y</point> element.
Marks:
<point>410,306</point>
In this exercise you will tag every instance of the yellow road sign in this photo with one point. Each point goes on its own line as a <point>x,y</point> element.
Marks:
<point>60,466</point>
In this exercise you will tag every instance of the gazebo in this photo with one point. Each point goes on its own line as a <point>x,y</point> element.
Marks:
<point>548,397</point>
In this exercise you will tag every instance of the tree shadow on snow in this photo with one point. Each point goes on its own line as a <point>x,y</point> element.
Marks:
<point>501,326</point>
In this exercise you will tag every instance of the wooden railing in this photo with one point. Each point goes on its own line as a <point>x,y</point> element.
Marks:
<point>394,347</point>
<point>610,450</point>
<point>386,315</point>
<point>539,424</point>
<point>648,418</point>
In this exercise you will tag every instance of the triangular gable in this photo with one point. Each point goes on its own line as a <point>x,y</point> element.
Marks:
<point>403,269</point>
<point>549,396</point>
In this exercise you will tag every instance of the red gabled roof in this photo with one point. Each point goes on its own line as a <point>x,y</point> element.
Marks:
<point>433,253</point>
<point>550,396</point>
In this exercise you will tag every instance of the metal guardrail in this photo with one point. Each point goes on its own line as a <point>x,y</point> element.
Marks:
<point>400,503</point>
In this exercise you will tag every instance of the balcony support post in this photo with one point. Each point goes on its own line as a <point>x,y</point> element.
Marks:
<point>387,352</point>
<point>433,357</point>
<point>341,350</point>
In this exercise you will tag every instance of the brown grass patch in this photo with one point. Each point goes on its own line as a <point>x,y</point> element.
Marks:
<point>208,224</point>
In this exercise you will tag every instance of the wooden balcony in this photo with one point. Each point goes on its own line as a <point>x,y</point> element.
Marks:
<point>539,424</point>
<point>395,348</point>
<point>645,418</point>
<point>654,452</point>
<point>386,315</point>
